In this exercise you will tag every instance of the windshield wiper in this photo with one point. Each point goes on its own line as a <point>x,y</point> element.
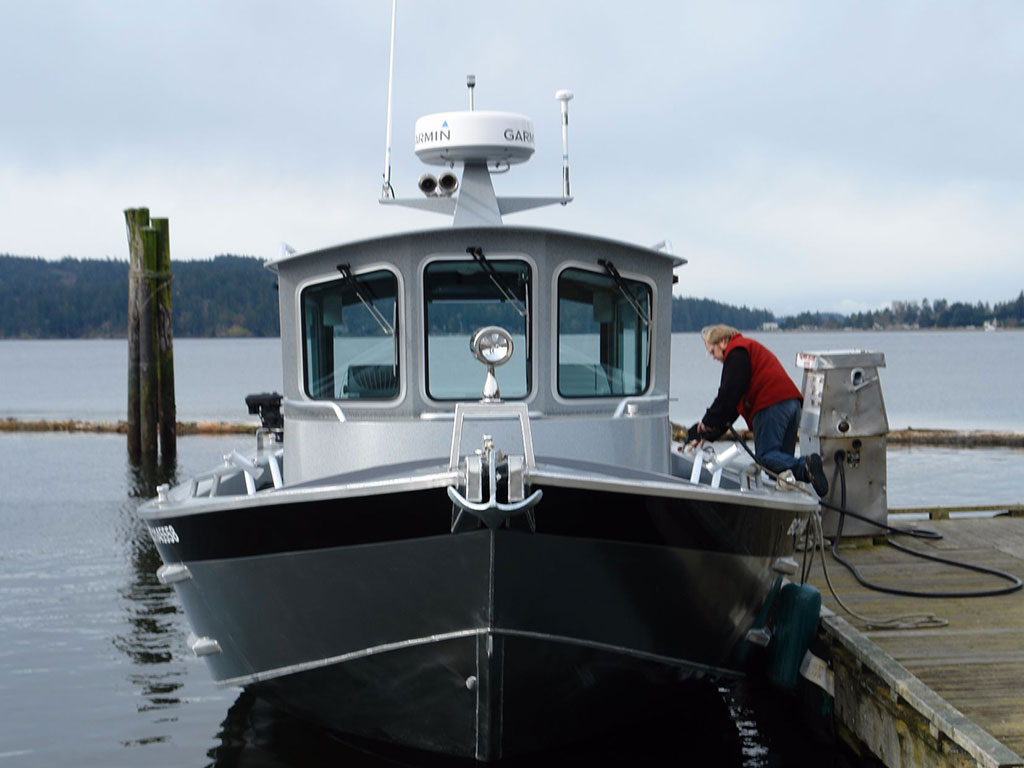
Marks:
<point>613,273</point>
<point>478,254</point>
<point>360,292</point>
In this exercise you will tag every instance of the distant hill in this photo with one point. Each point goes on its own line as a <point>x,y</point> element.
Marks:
<point>72,298</point>
<point>224,296</point>
<point>236,296</point>
<point>691,314</point>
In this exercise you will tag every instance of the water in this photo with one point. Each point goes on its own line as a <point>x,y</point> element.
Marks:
<point>931,380</point>
<point>93,665</point>
<point>88,379</point>
<point>936,379</point>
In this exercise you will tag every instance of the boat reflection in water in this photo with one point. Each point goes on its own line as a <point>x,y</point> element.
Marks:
<point>465,528</point>
<point>695,724</point>
<point>727,725</point>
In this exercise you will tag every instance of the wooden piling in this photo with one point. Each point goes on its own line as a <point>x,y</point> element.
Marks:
<point>166,409</point>
<point>148,360</point>
<point>135,220</point>
<point>151,407</point>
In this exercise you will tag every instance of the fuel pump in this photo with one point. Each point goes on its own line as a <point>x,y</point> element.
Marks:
<point>844,420</point>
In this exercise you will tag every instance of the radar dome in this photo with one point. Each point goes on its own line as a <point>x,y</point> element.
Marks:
<point>452,137</point>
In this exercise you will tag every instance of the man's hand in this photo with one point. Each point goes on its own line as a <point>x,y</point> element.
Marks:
<point>695,435</point>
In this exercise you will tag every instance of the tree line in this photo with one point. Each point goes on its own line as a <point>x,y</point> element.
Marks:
<point>911,314</point>
<point>236,296</point>
<point>88,298</point>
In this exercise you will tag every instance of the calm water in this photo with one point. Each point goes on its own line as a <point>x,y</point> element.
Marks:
<point>941,379</point>
<point>93,665</point>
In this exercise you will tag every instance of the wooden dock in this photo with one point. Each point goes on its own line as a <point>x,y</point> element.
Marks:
<point>884,678</point>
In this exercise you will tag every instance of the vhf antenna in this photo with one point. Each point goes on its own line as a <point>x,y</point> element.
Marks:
<point>565,97</point>
<point>386,189</point>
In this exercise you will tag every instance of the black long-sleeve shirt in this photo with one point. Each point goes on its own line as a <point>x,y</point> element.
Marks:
<point>735,383</point>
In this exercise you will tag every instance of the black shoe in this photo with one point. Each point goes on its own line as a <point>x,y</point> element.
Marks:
<point>815,474</point>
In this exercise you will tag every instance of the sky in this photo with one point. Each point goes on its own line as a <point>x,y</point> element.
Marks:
<point>799,154</point>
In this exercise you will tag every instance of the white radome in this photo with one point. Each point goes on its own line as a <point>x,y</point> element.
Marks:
<point>457,137</point>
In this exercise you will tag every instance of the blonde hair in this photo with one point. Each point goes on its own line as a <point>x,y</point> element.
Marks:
<point>712,334</point>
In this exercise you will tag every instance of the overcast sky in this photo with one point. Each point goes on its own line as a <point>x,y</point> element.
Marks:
<point>800,155</point>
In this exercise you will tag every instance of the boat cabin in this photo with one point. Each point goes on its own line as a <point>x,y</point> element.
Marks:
<point>376,346</point>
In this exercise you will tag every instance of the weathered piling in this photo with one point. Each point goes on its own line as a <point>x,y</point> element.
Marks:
<point>166,409</point>
<point>136,219</point>
<point>151,406</point>
<point>148,371</point>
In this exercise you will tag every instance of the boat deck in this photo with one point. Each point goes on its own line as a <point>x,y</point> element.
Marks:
<point>976,663</point>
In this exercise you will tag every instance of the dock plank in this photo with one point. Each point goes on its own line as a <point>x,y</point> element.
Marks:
<point>976,663</point>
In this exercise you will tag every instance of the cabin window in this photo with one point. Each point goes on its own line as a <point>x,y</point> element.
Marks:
<point>462,297</point>
<point>350,348</point>
<point>603,339</point>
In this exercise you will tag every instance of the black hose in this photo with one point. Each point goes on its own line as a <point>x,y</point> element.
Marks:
<point>840,473</point>
<point>1015,583</point>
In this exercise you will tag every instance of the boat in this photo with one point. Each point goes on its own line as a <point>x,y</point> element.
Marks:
<point>465,526</point>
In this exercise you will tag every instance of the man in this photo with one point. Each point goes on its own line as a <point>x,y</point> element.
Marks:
<point>757,387</point>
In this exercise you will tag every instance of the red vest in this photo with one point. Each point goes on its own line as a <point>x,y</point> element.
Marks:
<point>769,382</point>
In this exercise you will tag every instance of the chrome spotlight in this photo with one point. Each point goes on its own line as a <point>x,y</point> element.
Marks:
<point>492,346</point>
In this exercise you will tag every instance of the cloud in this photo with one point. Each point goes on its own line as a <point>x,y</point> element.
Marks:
<point>212,210</point>
<point>812,237</point>
<point>801,155</point>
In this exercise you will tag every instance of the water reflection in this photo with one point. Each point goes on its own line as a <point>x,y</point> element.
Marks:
<point>741,724</point>
<point>695,726</point>
<point>152,616</point>
<point>144,476</point>
<point>255,734</point>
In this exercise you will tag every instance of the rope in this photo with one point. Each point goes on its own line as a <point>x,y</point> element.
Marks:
<point>160,278</point>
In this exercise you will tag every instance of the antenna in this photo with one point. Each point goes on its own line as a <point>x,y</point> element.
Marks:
<point>565,97</point>
<point>477,140</point>
<point>386,190</point>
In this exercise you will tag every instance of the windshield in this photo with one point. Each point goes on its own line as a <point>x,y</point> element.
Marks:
<point>349,338</point>
<point>602,335</point>
<point>462,297</point>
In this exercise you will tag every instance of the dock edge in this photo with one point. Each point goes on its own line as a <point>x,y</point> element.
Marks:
<point>897,717</point>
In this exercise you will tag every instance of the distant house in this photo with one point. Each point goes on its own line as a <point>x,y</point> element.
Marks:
<point>769,326</point>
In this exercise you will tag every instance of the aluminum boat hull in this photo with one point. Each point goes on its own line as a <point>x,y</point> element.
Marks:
<point>371,616</point>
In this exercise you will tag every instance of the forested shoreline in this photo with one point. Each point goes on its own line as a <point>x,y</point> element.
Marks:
<point>73,299</point>
<point>232,295</point>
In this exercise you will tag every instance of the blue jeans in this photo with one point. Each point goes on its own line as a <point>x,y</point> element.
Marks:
<point>775,437</point>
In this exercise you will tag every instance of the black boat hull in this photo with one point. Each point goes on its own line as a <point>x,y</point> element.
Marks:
<point>479,643</point>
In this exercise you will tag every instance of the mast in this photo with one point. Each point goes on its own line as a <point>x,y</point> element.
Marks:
<point>386,189</point>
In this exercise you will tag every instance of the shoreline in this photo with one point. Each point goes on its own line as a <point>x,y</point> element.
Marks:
<point>956,438</point>
<point>121,427</point>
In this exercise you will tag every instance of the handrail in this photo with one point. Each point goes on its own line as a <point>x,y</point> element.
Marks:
<point>314,407</point>
<point>234,463</point>
<point>621,408</point>
<point>499,410</point>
